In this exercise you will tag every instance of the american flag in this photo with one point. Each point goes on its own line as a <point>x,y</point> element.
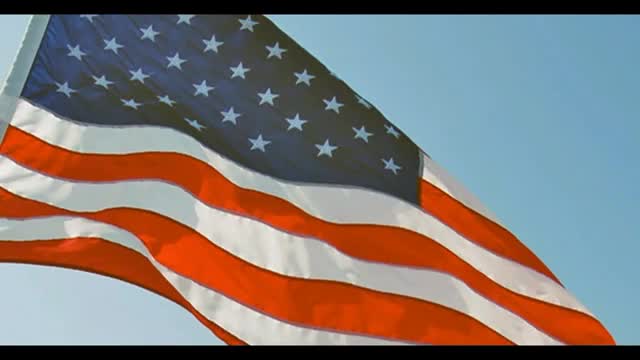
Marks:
<point>214,161</point>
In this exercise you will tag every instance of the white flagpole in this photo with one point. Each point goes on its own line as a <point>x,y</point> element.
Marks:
<point>17,75</point>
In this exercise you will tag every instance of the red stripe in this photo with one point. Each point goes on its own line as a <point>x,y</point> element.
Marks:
<point>206,184</point>
<point>104,258</point>
<point>313,303</point>
<point>477,228</point>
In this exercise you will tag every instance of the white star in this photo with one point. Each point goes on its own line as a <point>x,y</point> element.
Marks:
<point>295,123</point>
<point>102,81</point>
<point>138,75</point>
<point>212,44</point>
<point>165,99</point>
<point>275,50</point>
<point>76,52</point>
<point>230,116</point>
<point>391,130</point>
<point>185,19</point>
<point>363,102</point>
<point>239,71</point>
<point>65,89</point>
<point>131,103</point>
<point>195,124</point>
<point>259,143</point>
<point>267,97</point>
<point>304,77</point>
<point>333,105</point>
<point>247,24</point>
<point>88,17</point>
<point>326,149</point>
<point>112,45</point>
<point>390,165</point>
<point>362,134</point>
<point>175,61</point>
<point>202,88</point>
<point>148,33</point>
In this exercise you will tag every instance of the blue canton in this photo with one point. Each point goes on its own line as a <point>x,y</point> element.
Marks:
<point>236,84</point>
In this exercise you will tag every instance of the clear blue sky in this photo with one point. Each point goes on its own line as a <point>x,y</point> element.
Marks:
<point>539,116</point>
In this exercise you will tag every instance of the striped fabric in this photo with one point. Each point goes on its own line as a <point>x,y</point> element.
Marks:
<point>259,258</point>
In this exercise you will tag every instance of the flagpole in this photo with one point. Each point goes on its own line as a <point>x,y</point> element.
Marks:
<point>19,71</point>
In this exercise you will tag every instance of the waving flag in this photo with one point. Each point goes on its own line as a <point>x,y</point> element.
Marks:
<point>214,161</point>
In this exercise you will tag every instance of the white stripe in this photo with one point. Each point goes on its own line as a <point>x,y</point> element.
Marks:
<point>327,203</point>
<point>269,248</point>
<point>440,178</point>
<point>246,324</point>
